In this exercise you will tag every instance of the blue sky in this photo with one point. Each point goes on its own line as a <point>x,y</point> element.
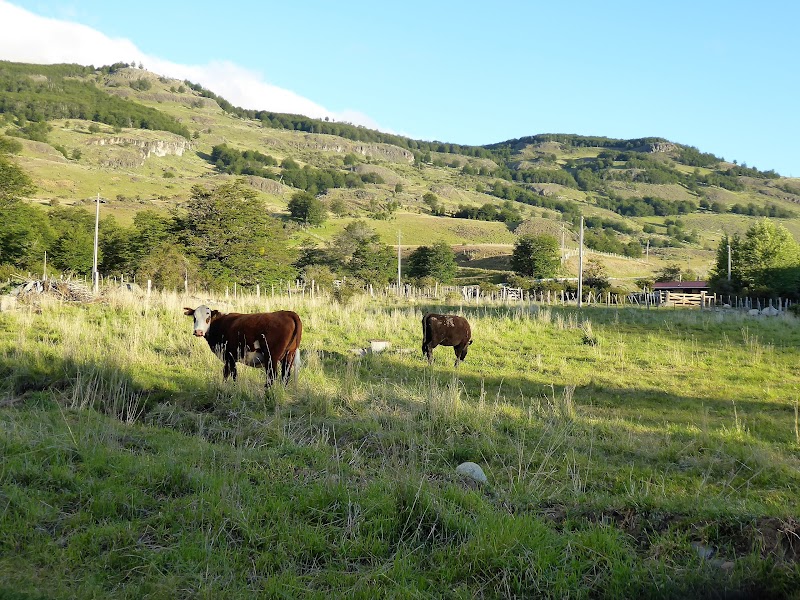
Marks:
<point>721,76</point>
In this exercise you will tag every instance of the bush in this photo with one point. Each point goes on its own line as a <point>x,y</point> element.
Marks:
<point>321,275</point>
<point>345,292</point>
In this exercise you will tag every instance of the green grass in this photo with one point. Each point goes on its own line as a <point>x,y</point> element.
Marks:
<point>615,468</point>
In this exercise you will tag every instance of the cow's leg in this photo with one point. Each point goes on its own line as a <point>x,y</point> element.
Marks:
<point>287,364</point>
<point>427,350</point>
<point>272,371</point>
<point>270,364</point>
<point>230,367</point>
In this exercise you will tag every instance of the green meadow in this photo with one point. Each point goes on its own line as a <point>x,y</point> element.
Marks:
<point>629,453</point>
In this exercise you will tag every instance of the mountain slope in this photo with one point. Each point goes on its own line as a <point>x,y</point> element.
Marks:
<point>633,193</point>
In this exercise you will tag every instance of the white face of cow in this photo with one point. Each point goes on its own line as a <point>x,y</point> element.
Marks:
<point>202,319</point>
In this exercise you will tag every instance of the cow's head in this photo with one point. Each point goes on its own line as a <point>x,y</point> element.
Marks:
<point>202,318</point>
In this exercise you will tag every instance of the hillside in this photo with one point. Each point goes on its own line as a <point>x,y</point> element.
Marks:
<point>142,141</point>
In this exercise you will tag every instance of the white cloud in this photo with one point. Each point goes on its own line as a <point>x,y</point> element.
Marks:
<point>27,37</point>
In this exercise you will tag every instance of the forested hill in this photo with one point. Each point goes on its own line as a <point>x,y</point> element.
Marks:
<point>34,94</point>
<point>144,141</point>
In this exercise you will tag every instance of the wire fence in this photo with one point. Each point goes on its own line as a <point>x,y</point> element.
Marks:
<point>468,294</point>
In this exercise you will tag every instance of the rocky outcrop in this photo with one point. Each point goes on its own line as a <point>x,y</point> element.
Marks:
<point>661,147</point>
<point>338,145</point>
<point>145,148</point>
<point>269,186</point>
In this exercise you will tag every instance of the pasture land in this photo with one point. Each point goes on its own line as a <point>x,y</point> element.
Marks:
<point>629,453</point>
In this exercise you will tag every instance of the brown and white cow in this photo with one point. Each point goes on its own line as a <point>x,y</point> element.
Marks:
<point>255,340</point>
<point>445,330</point>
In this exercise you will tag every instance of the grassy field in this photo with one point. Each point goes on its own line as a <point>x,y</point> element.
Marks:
<point>628,452</point>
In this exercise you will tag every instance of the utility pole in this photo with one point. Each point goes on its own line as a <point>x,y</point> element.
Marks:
<point>580,266</point>
<point>398,261</point>
<point>95,273</point>
<point>729,262</point>
<point>648,250</point>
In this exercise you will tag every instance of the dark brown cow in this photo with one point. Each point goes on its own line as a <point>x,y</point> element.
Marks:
<point>259,339</point>
<point>445,330</point>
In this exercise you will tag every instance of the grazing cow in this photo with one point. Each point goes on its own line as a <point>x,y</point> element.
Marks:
<point>445,330</point>
<point>259,339</point>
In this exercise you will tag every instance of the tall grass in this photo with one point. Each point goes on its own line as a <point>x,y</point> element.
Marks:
<point>131,469</point>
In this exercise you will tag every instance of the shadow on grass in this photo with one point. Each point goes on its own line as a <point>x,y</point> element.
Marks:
<point>647,406</point>
<point>88,383</point>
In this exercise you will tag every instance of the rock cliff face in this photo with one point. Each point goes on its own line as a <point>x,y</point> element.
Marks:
<point>334,144</point>
<point>268,185</point>
<point>661,147</point>
<point>145,148</point>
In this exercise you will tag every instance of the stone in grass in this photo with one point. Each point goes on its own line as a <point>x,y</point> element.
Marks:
<point>703,551</point>
<point>472,471</point>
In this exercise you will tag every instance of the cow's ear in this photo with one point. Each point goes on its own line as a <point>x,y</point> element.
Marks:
<point>215,313</point>
<point>188,311</point>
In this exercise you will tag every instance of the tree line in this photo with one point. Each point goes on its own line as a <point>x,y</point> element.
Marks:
<point>62,92</point>
<point>765,262</point>
<point>308,178</point>
<point>222,236</point>
<point>346,130</point>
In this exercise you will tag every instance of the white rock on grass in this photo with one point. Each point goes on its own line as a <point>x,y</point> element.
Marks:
<point>7,303</point>
<point>473,471</point>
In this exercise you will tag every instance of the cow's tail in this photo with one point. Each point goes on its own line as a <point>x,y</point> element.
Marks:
<point>426,327</point>
<point>296,337</point>
<point>297,358</point>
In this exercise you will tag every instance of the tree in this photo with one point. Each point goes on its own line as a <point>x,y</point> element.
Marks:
<point>24,235</point>
<point>595,275</point>
<point>150,229</point>
<point>73,250</point>
<point>358,251</point>
<point>765,261</point>
<point>671,272</point>
<point>229,231</point>
<point>338,207</point>
<point>14,182</point>
<point>373,263</point>
<point>308,209</point>
<point>115,246</point>
<point>432,201</point>
<point>168,266</point>
<point>356,234</point>
<point>536,256</point>
<point>437,261</point>
<point>9,145</point>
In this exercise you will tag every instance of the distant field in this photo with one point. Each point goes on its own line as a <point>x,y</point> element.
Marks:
<point>629,453</point>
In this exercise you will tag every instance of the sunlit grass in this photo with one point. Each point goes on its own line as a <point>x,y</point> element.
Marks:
<point>132,469</point>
